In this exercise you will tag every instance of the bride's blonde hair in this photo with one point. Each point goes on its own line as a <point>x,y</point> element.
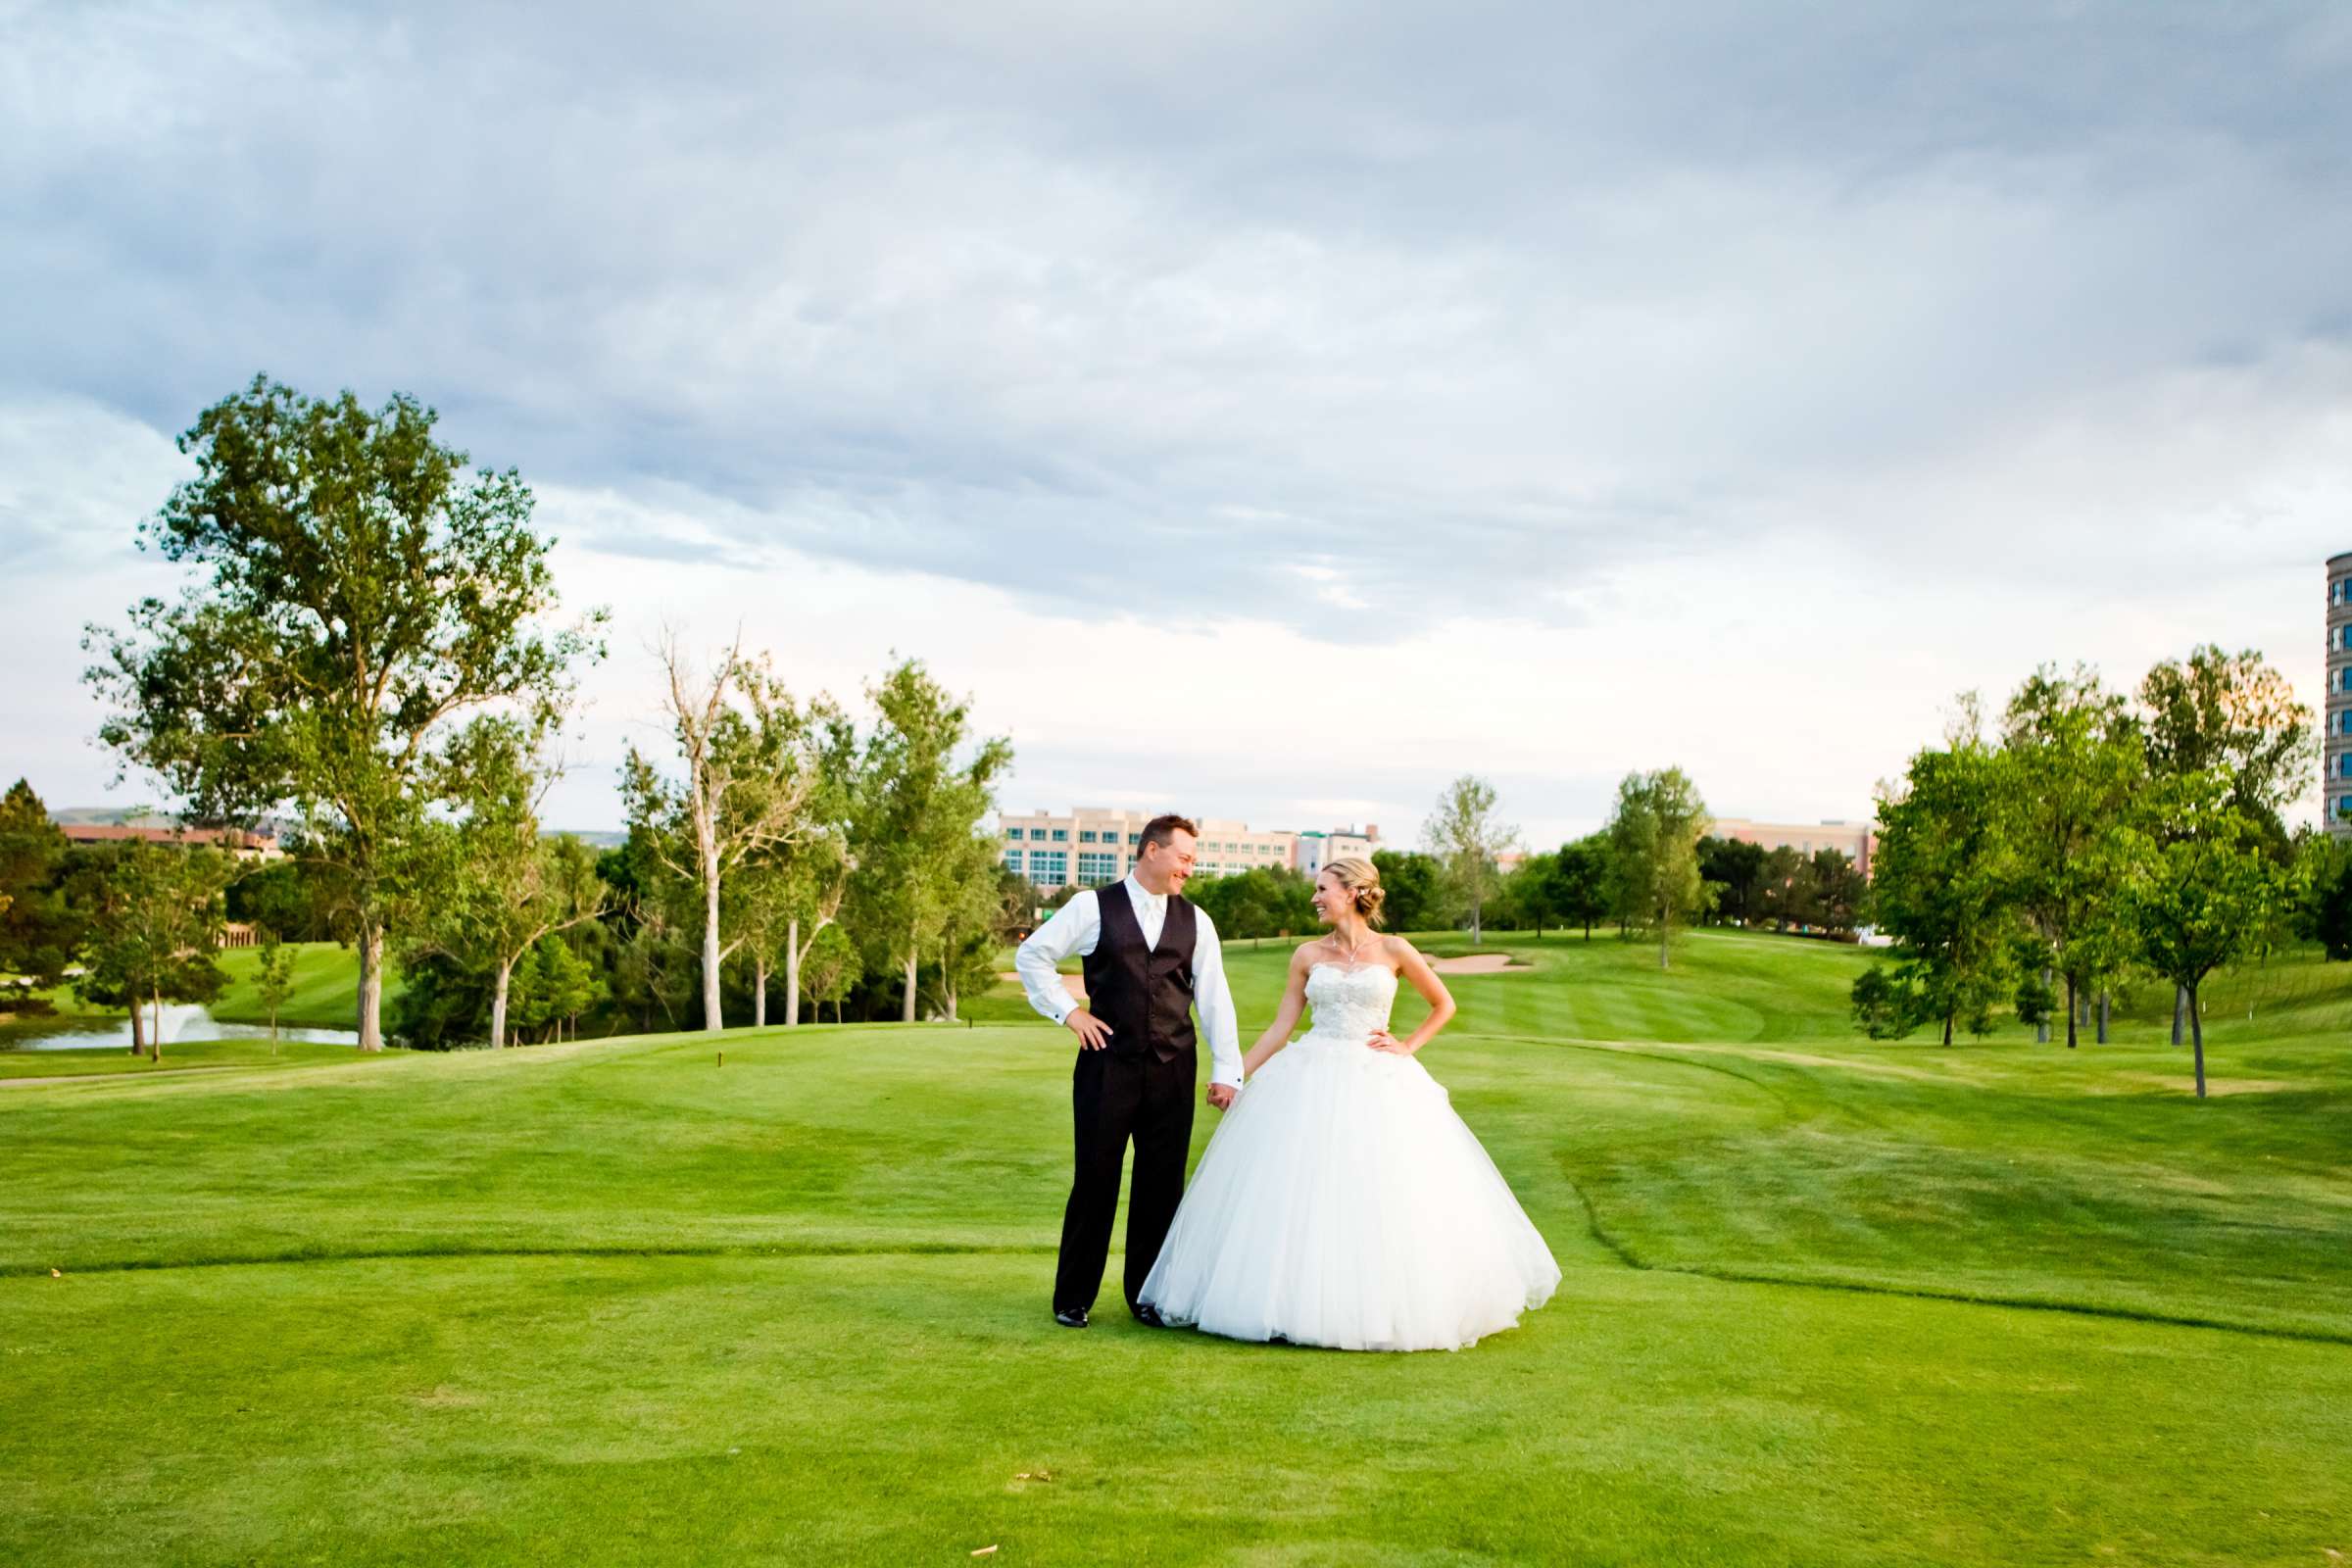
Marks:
<point>1361,877</point>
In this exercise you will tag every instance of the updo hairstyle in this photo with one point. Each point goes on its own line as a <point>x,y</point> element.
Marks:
<point>1361,877</point>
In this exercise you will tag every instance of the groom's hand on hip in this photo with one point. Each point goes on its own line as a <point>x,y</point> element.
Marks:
<point>1220,1096</point>
<point>1092,1032</point>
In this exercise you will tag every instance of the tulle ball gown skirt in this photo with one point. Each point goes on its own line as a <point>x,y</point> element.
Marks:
<point>1341,1203</point>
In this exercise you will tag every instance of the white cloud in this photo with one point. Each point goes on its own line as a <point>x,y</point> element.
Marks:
<point>1581,390</point>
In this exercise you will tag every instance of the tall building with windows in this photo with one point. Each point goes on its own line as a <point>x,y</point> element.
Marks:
<point>1318,850</point>
<point>1091,845</point>
<point>2336,754</point>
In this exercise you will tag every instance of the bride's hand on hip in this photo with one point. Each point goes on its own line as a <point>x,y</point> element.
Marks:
<point>1382,1041</point>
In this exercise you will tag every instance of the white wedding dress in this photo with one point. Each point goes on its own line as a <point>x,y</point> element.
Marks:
<point>1341,1203</point>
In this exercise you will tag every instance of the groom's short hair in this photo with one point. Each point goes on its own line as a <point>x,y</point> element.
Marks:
<point>1162,829</point>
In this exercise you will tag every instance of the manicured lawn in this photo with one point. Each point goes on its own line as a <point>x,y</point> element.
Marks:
<point>326,995</point>
<point>1827,1301</point>
<point>115,1061</point>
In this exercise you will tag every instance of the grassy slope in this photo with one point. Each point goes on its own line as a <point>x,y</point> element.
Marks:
<point>620,1299</point>
<point>326,995</point>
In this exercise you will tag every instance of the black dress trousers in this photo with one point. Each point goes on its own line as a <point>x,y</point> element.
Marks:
<point>1114,1099</point>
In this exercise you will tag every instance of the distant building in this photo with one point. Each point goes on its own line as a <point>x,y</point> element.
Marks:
<point>2335,756</point>
<point>237,841</point>
<point>1318,850</point>
<point>1091,845</point>
<point>1859,842</point>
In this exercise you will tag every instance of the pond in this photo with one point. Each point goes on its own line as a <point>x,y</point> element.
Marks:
<point>180,1022</point>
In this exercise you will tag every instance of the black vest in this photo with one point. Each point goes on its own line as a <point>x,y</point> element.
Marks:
<point>1144,994</point>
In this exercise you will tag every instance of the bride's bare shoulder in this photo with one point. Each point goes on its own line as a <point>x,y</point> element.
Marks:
<point>1399,951</point>
<point>1306,953</point>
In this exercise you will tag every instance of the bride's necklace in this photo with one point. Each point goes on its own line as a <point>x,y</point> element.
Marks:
<point>1351,952</point>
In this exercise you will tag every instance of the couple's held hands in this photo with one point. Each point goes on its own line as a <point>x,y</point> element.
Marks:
<point>1387,1044</point>
<point>1222,1095</point>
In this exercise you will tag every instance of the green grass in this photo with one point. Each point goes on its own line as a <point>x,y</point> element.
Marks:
<point>1826,1301</point>
<point>325,994</point>
<point>115,1061</point>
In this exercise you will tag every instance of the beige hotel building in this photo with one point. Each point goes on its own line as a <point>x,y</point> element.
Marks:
<point>1089,845</point>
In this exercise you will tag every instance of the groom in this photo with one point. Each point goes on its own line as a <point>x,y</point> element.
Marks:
<point>1151,958</point>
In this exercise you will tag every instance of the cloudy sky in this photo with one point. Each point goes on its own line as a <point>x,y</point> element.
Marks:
<point>1270,410</point>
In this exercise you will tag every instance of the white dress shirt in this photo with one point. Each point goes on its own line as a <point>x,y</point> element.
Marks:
<point>1077,926</point>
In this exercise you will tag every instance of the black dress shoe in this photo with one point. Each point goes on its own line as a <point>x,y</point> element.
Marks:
<point>1149,1315</point>
<point>1073,1319</point>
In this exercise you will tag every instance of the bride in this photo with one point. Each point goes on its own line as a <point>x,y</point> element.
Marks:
<point>1341,1203</point>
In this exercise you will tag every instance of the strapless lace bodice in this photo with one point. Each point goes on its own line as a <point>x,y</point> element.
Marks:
<point>1351,1003</point>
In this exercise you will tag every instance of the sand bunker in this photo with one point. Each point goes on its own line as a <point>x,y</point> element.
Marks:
<point>1477,963</point>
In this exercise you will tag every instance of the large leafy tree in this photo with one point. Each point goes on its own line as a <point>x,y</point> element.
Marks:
<point>749,770</point>
<point>1584,881</point>
<point>1942,890</point>
<point>924,784</point>
<point>1653,838</point>
<point>2230,713</point>
<point>2233,713</point>
<point>156,913</point>
<point>2206,889</point>
<point>1261,901</point>
<point>1533,892</point>
<point>1416,899</point>
<point>792,889</point>
<point>39,929</point>
<point>1466,838</point>
<point>2077,771</point>
<point>356,594</point>
<point>499,886</point>
<point>1840,892</point>
<point>1737,868</point>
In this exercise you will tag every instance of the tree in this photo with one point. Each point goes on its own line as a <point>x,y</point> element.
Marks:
<point>1785,892</point>
<point>1737,868</point>
<point>1534,892</point>
<point>2327,911</point>
<point>356,594</point>
<point>918,812</point>
<point>1941,885</point>
<point>156,918</point>
<point>793,888</point>
<point>969,901</point>
<point>39,929</point>
<point>1584,881</point>
<point>2077,769</point>
<point>750,756</point>
<point>500,887</point>
<point>2204,890</point>
<point>273,978</point>
<point>553,988</point>
<point>2233,712</point>
<point>1840,892</point>
<point>1465,838</point>
<point>1654,839</point>
<point>1413,881</point>
<point>1261,901</point>
<point>830,968</point>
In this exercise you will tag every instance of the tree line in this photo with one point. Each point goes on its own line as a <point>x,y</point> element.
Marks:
<point>2041,863</point>
<point>368,646</point>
